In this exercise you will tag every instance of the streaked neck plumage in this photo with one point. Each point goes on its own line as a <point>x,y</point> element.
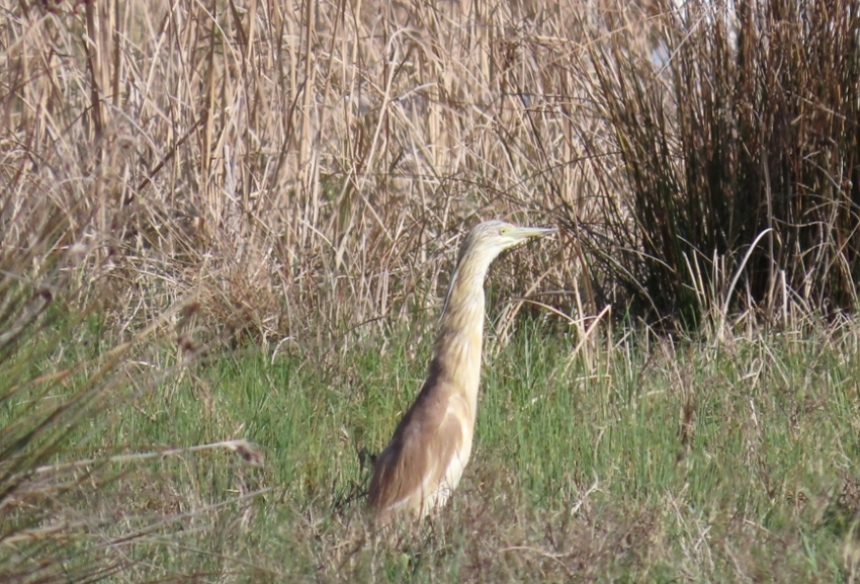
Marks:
<point>459,343</point>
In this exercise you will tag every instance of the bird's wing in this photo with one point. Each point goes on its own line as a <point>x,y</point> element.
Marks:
<point>419,456</point>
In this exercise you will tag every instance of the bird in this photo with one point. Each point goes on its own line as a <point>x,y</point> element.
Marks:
<point>421,466</point>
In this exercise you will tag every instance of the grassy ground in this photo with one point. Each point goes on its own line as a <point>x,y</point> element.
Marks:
<point>651,462</point>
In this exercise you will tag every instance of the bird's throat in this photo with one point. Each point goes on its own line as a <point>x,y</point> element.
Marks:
<point>457,351</point>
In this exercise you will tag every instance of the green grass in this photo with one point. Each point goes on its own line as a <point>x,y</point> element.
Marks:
<point>682,462</point>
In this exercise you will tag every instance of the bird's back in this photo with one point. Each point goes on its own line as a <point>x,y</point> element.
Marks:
<point>425,459</point>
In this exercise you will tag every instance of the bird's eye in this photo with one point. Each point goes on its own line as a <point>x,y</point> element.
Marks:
<point>504,230</point>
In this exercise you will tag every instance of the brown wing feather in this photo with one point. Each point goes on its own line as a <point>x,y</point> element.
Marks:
<point>414,462</point>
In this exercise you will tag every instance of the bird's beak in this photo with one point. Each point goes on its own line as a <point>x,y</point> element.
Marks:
<point>530,232</point>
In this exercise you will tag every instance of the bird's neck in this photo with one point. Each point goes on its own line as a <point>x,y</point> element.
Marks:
<point>457,351</point>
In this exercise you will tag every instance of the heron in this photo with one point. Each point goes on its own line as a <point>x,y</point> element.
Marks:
<point>422,464</point>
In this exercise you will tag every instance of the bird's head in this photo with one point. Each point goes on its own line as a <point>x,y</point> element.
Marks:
<point>490,238</point>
